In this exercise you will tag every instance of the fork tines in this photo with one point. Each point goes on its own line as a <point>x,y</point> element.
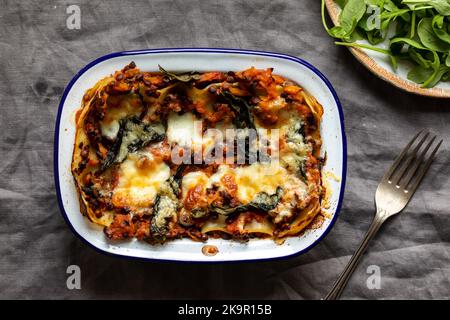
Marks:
<point>414,161</point>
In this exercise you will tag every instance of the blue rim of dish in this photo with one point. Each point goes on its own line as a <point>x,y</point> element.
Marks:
<point>199,50</point>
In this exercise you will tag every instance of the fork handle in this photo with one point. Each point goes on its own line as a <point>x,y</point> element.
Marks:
<point>341,282</point>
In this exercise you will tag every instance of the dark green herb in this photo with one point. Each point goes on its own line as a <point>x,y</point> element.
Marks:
<point>242,110</point>
<point>263,201</point>
<point>421,33</point>
<point>184,77</point>
<point>114,149</point>
<point>133,135</point>
<point>175,180</point>
<point>166,206</point>
<point>164,210</point>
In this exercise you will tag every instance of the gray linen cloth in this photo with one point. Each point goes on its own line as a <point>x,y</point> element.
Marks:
<point>40,54</point>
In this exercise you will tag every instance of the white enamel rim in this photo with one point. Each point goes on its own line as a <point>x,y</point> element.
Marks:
<point>200,59</point>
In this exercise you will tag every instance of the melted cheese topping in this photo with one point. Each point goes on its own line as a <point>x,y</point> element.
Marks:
<point>184,129</point>
<point>277,104</point>
<point>295,150</point>
<point>139,184</point>
<point>187,131</point>
<point>110,129</point>
<point>192,179</point>
<point>254,179</point>
<point>128,106</point>
<point>258,178</point>
<point>250,180</point>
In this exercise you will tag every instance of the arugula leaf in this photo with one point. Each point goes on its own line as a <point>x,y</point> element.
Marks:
<point>408,41</point>
<point>436,67</point>
<point>419,74</point>
<point>428,77</point>
<point>376,36</point>
<point>440,28</point>
<point>441,6</point>
<point>351,13</point>
<point>438,76</point>
<point>341,3</point>
<point>364,46</point>
<point>429,38</point>
<point>413,25</point>
<point>417,57</point>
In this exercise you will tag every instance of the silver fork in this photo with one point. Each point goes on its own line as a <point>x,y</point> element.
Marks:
<point>393,194</point>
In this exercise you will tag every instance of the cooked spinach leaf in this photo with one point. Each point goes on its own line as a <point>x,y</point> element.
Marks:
<point>133,135</point>
<point>242,110</point>
<point>164,209</point>
<point>262,201</point>
<point>175,180</point>
<point>114,149</point>
<point>184,77</point>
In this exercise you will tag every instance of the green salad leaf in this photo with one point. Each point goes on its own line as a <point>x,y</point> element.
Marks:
<point>440,28</point>
<point>429,38</point>
<point>417,31</point>
<point>352,12</point>
<point>441,6</point>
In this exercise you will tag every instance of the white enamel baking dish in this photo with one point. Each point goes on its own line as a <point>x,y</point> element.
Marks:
<point>177,60</point>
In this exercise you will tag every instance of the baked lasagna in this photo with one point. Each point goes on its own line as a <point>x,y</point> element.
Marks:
<point>233,155</point>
